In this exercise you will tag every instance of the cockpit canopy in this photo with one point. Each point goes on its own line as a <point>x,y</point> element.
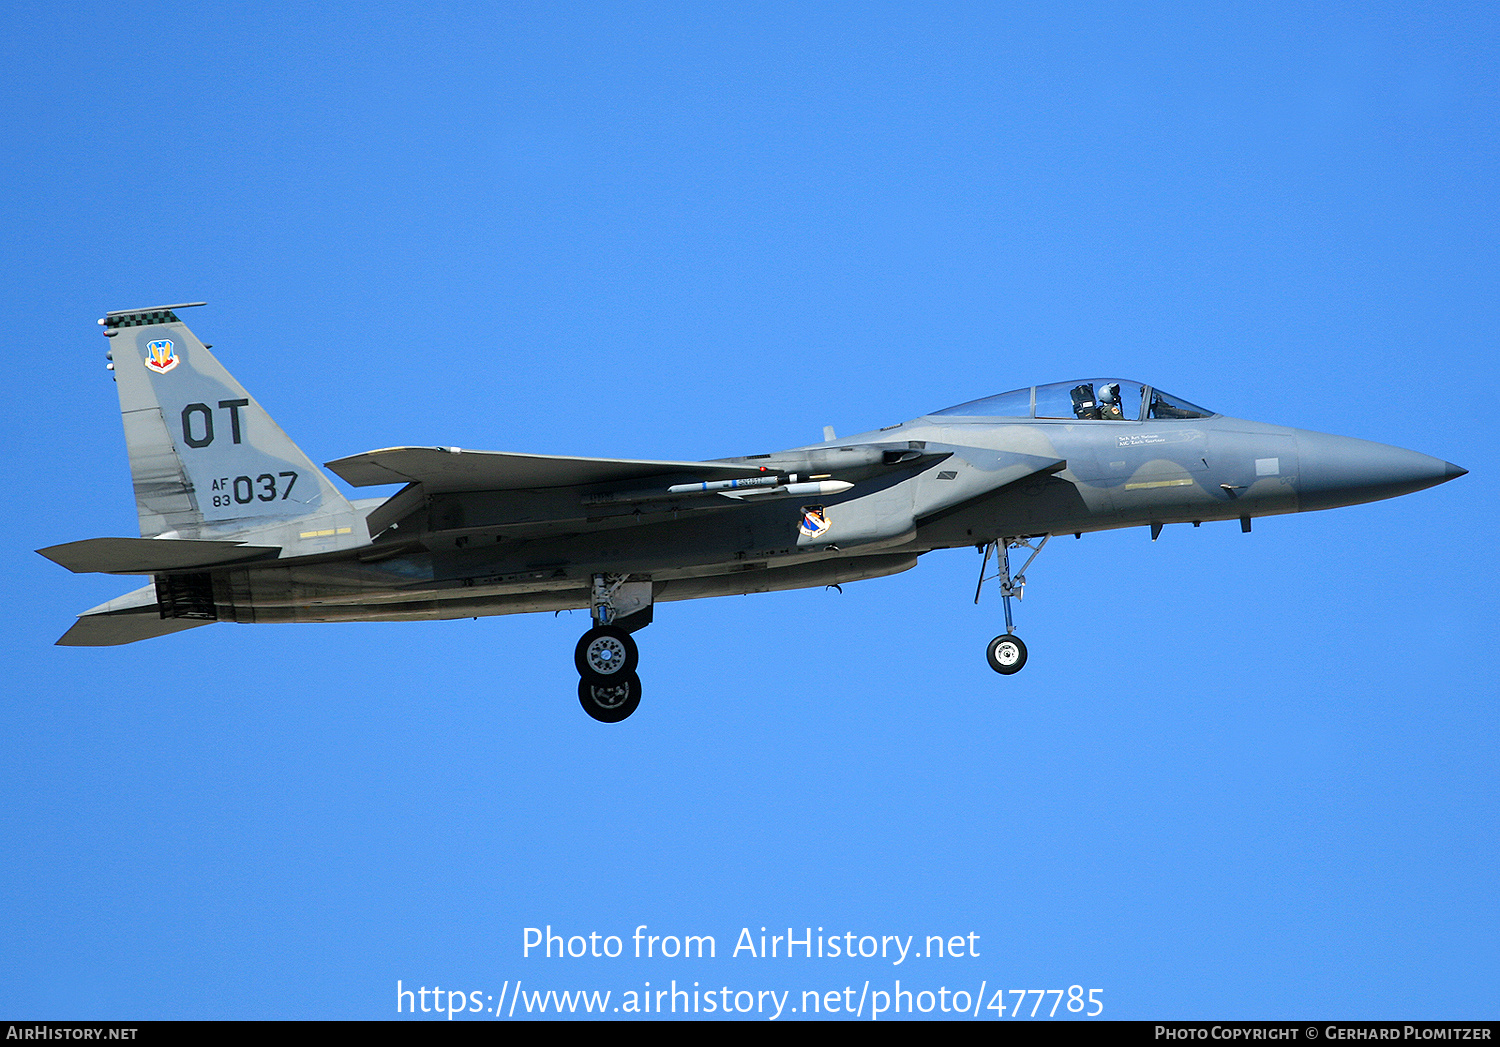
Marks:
<point>1097,399</point>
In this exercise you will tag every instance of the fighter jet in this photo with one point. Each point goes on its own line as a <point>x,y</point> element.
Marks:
<point>237,525</point>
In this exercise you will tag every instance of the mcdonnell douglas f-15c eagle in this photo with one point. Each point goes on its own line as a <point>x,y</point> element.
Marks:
<point>238,525</point>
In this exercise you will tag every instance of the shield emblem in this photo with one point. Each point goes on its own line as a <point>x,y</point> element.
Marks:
<point>160,356</point>
<point>814,523</point>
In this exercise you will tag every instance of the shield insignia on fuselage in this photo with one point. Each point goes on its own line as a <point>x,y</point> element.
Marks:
<point>814,522</point>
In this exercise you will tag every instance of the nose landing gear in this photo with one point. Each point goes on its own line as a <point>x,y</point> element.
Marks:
<point>1006,653</point>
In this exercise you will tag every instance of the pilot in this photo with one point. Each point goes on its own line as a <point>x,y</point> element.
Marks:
<point>1109,402</point>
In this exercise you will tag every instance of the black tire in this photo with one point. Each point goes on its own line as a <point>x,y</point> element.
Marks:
<point>610,700</point>
<point>1006,654</point>
<point>604,652</point>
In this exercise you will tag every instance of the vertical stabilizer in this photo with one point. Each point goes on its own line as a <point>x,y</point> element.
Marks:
<point>206,460</point>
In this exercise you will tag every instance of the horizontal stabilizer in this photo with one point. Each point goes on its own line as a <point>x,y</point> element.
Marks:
<point>111,630</point>
<point>450,469</point>
<point>125,619</point>
<point>150,555</point>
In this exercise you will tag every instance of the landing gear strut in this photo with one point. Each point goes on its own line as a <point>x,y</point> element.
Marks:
<point>606,656</point>
<point>1006,653</point>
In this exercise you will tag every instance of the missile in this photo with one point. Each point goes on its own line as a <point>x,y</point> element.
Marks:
<point>726,485</point>
<point>806,487</point>
<point>747,487</point>
<point>763,485</point>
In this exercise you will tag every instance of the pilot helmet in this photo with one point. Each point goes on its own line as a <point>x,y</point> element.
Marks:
<point>1110,392</point>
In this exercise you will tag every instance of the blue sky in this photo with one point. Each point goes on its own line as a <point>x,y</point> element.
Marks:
<point>1240,777</point>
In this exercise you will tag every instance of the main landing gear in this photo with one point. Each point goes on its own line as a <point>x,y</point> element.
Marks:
<point>1006,653</point>
<point>608,688</point>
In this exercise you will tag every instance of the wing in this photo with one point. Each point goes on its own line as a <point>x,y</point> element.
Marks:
<point>523,493</point>
<point>442,470</point>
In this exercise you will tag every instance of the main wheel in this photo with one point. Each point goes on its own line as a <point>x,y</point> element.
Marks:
<point>612,700</point>
<point>604,653</point>
<point>1006,654</point>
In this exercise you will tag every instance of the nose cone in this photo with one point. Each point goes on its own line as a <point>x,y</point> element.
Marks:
<point>1340,470</point>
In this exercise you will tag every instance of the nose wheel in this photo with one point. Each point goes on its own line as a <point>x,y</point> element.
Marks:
<point>1006,654</point>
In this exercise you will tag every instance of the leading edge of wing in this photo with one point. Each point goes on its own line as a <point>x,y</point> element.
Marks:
<point>450,469</point>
